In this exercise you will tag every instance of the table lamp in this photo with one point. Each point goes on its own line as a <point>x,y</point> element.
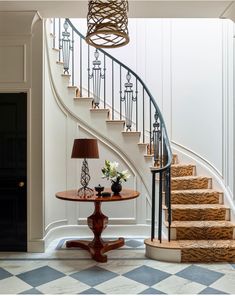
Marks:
<point>85,148</point>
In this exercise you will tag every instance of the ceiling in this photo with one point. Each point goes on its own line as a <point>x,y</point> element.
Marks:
<point>137,8</point>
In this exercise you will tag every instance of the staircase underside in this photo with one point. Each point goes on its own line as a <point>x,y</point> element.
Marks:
<point>201,230</point>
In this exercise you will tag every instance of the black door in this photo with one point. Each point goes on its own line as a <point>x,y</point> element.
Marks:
<point>13,164</point>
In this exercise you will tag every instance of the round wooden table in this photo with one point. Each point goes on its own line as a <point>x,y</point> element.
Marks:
<point>97,222</point>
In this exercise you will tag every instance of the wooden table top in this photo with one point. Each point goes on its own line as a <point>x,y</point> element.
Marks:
<point>72,195</point>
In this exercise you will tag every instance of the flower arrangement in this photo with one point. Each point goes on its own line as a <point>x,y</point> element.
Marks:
<point>110,172</point>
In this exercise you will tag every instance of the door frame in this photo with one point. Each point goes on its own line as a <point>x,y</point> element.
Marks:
<point>28,165</point>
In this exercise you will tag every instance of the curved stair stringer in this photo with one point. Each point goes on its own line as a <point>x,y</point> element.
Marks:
<point>81,119</point>
<point>205,168</point>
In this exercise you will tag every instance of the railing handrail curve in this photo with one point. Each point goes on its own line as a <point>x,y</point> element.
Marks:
<point>167,142</point>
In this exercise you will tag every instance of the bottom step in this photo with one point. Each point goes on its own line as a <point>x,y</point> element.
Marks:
<point>191,250</point>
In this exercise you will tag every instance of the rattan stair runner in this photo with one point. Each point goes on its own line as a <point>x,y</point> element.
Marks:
<point>201,230</point>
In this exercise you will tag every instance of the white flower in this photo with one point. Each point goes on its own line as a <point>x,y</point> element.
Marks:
<point>110,172</point>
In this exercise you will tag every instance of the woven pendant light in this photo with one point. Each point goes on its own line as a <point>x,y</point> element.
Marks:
<point>107,23</point>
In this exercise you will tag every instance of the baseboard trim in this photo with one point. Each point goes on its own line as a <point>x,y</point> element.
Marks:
<point>36,246</point>
<point>139,230</point>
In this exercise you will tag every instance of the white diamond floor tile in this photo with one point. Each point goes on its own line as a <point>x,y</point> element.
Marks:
<point>177,285</point>
<point>121,285</point>
<point>226,283</point>
<point>13,285</point>
<point>65,285</point>
<point>166,266</point>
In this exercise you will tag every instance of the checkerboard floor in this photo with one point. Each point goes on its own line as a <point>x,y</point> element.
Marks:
<point>127,271</point>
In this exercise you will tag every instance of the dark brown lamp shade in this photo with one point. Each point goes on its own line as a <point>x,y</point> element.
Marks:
<point>85,148</point>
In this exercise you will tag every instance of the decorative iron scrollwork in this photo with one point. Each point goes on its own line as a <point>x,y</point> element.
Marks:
<point>66,45</point>
<point>156,139</point>
<point>129,99</point>
<point>96,77</point>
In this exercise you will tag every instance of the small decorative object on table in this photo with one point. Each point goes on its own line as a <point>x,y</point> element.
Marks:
<point>99,189</point>
<point>110,172</point>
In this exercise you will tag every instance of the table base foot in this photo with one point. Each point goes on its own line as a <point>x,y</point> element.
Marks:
<point>97,250</point>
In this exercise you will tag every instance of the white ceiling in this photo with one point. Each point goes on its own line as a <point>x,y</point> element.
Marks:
<point>137,8</point>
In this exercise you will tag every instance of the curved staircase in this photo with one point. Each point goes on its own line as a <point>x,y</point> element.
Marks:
<point>201,230</point>
<point>200,227</point>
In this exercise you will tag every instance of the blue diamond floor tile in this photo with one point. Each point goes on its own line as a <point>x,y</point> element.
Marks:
<point>200,275</point>
<point>40,276</point>
<point>91,291</point>
<point>94,275</point>
<point>4,274</point>
<point>146,275</point>
<point>134,243</point>
<point>31,291</point>
<point>151,291</point>
<point>210,290</point>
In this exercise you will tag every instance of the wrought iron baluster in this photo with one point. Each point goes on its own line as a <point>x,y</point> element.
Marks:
<point>96,77</point>
<point>156,141</point>
<point>160,208</point>
<point>143,118</point>
<point>169,203</point>
<point>128,98</point>
<point>168,199</point>
<point>104,77</point>
<point>136,105</point>
<point>164,152</point>
<point>66,45</point>
<point>72,49</point>
<point>153,205</point>
<point>53,32</point>
<point>150,127</point>
<point>120,91</point>
<point>81,91</point>
<point>112,90</point>
<point>59,39</point>
<point>161,153</point>
<point>88,69</point>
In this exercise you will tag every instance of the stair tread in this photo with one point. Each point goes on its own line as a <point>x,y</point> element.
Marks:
<point>131,133</point>
<point>99,110</point>
<point>188,244</point>
<point>195,191</point>
<point>196,206</point>
<point>183,165</point>
<point>190,178</point>
<point>115,121</point>
<point>72,86</point>
<point>201,224</point>
<point>83,98</point>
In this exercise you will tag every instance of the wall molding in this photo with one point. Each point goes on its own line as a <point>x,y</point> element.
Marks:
<point>137,230</point>
<point>197,155</point>
<point>55,224</point>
